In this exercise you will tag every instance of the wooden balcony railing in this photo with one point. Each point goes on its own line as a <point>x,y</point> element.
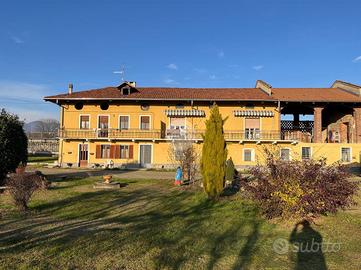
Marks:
<point>154,134</point>
<point>109,134</point>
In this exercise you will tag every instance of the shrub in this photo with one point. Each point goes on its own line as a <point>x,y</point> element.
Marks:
<point>230,170</point>
<point>13,144</point>
<point>22,186</point>
<point>300,188</point>
<point>214,155</point>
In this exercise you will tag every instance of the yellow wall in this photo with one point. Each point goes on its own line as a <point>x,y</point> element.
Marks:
<point>157,114</point>
<point>160,148</point>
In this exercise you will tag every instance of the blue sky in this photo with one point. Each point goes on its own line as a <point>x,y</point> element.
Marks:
<point>44,45</point>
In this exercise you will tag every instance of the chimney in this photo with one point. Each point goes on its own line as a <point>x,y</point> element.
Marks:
<point>265,87</point>
<point>132,84</point>
<point>70,88</point>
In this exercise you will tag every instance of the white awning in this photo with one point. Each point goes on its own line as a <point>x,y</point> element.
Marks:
<point>185,113</point>
<point>252,113</point>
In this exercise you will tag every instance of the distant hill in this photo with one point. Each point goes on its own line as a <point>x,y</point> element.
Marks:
<point>46,125</point>
<point>32,126</point>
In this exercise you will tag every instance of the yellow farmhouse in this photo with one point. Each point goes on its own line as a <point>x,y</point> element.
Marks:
<point>130,126</point>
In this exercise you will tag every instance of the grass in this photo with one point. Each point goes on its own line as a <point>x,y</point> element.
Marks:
<point>42,159</point>
<point>149,224</point>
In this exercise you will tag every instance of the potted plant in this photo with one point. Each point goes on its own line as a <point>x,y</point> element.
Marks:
<point>21,168</point>
<point>107,178</point>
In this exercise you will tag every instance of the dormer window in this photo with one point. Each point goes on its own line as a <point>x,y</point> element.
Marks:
<point>125,91</point>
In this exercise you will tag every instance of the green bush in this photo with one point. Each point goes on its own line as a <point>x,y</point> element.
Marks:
<point>13,144</point>
<point>230,170</point>
<point>214,155</point>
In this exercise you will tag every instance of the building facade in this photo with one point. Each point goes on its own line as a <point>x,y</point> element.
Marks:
<point>130,126</point>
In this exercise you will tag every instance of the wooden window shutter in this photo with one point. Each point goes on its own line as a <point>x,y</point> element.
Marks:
<point>131,151</point>
<point>98,151</point>
<point>112,151</point>
<point>117,152</point>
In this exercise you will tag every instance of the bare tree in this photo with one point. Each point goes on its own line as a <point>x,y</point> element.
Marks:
<point>183,154</point>
<point>48,126</point>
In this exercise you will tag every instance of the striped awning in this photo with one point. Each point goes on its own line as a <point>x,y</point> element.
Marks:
<point>184,113</point>
<point>252,113</point>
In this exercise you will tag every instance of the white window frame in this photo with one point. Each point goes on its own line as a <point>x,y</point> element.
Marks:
<point>311,152</point>
<point>252,154</point>
<point>347,147</point>
<point>150,121</point>
<point>290,153</point>
<point>152,151</point>
<point>80,120</point>
<point>120,151</point>
<point>128,120</point>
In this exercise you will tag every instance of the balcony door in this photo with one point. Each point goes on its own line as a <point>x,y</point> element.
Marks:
<point>252,128</point>
<point>103,126</point>
<point>177,127</point>
<point>145,122</point>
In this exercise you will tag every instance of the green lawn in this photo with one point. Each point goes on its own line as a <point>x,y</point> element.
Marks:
<point>42,159</point>
<point>149,224</point>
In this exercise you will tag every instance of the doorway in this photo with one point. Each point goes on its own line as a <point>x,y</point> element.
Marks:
<point>83,155</point>
<point>145,155</point>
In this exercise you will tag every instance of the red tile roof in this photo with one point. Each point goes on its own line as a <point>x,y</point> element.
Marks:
<point>163,93</point>
<point>314,94</point>
<point>213,94</point>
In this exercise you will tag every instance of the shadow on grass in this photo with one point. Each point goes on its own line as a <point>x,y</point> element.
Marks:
<point>309,245</point>
<point>167,229</point>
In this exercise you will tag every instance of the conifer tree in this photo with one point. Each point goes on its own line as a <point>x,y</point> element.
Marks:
<point>214,155</point>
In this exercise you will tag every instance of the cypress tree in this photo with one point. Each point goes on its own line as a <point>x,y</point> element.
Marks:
<point>214,155</point>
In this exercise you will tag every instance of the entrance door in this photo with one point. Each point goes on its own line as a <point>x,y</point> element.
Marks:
<point>83,155</point>
<point>145,155</point>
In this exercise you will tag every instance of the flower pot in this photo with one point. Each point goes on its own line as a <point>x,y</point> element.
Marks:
<point>107,178</point>
<point>20,170</point>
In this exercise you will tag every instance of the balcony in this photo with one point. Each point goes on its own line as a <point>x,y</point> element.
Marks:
<point>181,134</point>
<point>109,134</point>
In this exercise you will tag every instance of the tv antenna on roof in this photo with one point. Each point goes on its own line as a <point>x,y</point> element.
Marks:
<point>121,72</point>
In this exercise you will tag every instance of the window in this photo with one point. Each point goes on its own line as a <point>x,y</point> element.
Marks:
<point>252,128</point>
<point>248,155</point>
<point>306,153</point>
<point>249,106</point>
<point>346,154</point>
<point>124,151</point>
<point>179,106</point>
<point>105,151</point>
<point>145,122</point>
<point>285,154</point>
<point>84,122</point>
<point>125,91</point>
<point>124,122</point>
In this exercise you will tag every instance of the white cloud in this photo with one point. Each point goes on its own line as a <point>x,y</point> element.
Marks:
<point>170,81</point>
<point>172,66</point>
<point>26,100</point>
<point>212,77</point>
<point>357,59</point>
<point>220,54</point>
<point>259,67</point>
<point>17,40</point>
